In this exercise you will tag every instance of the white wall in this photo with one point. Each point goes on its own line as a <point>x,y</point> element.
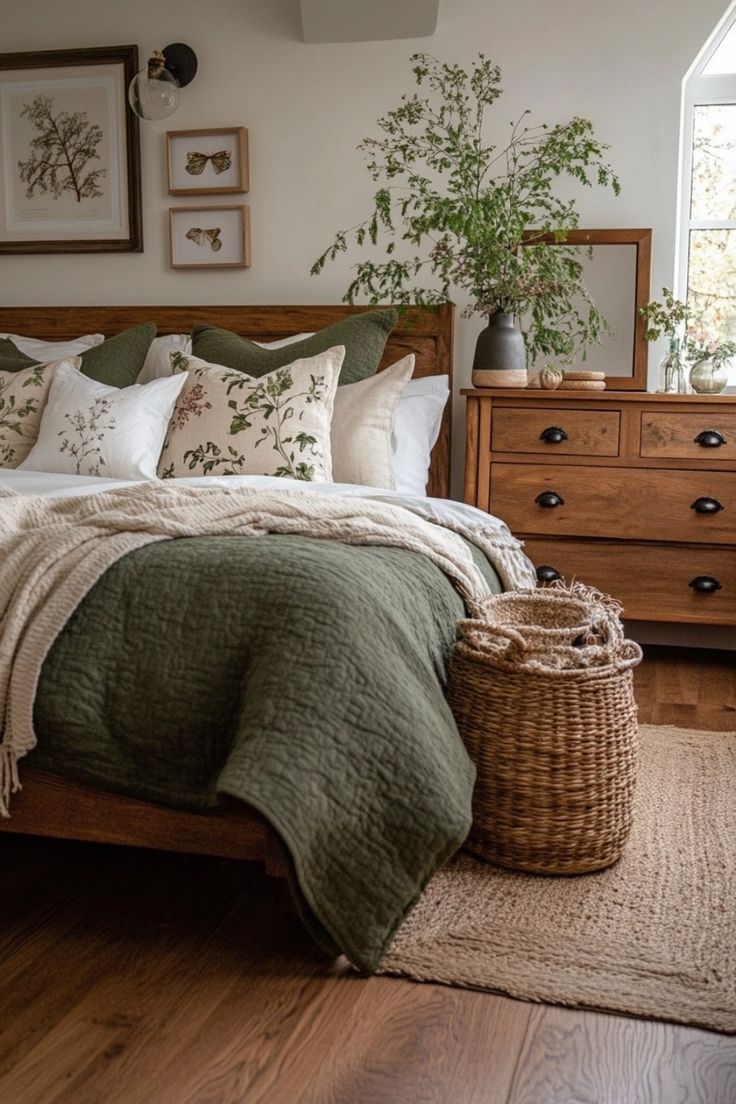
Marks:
<point>306,107</point>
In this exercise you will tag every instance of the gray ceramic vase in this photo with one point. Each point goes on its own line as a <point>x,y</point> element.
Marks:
<point>500,348</point>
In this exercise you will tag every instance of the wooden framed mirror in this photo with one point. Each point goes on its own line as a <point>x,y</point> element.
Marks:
<point>618,275</point>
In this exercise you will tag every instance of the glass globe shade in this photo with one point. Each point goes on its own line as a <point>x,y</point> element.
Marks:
<point>153,97</point>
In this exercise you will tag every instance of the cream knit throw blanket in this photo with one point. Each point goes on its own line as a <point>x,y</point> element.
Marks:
<point>53,550</point>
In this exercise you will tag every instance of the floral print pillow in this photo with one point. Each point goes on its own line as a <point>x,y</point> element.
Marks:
<point>228,423</point>
<point>92,429</point>
<point>23,397</point>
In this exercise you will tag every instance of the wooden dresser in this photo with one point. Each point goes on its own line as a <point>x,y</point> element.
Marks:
<point>634,493</point>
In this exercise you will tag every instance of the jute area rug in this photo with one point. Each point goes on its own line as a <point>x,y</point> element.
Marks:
<point>653,936</point>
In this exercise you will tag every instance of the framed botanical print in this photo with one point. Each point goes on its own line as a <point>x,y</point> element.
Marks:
<point>69,152</point>
<point>203,162</point>
<point>209,237</point>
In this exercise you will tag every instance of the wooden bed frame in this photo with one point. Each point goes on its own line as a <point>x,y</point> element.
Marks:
<point>49,805</point>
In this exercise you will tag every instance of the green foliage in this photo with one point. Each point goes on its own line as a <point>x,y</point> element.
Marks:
<point>474,217</point>
<point>664,317</point>
<point>61,152</point>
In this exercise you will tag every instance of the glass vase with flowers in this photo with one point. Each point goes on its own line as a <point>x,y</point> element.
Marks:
<point>710,359</point>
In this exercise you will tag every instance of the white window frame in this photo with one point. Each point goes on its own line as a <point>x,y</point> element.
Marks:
<point>699,91</point>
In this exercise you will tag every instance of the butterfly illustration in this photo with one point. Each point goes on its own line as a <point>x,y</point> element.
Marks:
<point>197,162</point>
<point>201,237</point>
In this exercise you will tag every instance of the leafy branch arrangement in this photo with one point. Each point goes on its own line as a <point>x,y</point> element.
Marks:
<point>477,217</point>
<point>667,316</point>
<point>664,317</point>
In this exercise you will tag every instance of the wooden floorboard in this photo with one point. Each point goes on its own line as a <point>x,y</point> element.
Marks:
<point>137,977</point>
<point>688,688</point>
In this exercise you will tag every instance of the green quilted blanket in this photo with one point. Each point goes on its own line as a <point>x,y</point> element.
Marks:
<point>304,677</point>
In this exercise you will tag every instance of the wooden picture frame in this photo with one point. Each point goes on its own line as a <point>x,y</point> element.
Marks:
<point>210,237</point>
<point>52,103</point>
<point>207,162</point>
<point>641,240</point>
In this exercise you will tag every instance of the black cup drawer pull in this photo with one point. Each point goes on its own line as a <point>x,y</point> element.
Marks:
<point>706,505</point>
<point>705,584</point>
<point>547,574</point>
<point>553,435</point>
<point>549,499</point>
<point>710,438</point>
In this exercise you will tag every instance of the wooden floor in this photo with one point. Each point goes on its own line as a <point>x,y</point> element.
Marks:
<point>130,977</point>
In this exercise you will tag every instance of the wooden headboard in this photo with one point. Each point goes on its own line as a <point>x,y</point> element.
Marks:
<point>426,334</point>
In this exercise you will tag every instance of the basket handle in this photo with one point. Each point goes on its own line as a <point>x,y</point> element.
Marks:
<point>485,638</point>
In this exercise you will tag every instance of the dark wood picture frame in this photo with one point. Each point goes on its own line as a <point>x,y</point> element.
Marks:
<point>204,185</point>
<point>126,57</point>
<point>642,239</point>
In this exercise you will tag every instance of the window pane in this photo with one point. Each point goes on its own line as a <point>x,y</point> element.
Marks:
<point>714,162</point>
<point>711,281</point>
<point>724,59</point>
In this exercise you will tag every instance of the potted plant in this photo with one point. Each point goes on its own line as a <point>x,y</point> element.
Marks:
<point>668,317</point>
<point>477,217</point>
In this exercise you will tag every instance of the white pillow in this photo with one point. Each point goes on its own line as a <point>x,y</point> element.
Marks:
<point>48,351</point>
<point>157,364</point>
<point>88,428</point>
<point>282,342</point>
<point>418,421</point>
<point>363,424</point>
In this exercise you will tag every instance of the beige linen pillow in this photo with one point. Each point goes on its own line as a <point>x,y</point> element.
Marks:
<point>227,423</point>
<point>363,424</point>
<point>23,396</point>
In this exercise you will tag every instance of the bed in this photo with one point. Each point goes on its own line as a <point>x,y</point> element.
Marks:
<point>52,805</point>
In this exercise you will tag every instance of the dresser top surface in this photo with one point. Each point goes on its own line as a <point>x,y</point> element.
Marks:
<point>557,396</point>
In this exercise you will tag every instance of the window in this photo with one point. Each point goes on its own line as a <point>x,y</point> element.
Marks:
<point>707,255</point>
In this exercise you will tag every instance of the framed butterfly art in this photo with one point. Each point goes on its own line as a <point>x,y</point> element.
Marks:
<point>210,237</point>
<point>204,162</point>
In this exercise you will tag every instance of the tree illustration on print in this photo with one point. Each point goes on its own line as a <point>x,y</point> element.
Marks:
<point>62,150</point>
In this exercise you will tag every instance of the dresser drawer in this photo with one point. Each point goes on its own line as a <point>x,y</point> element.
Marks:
<point>630,503</point>
<point>674,435</point>
<point>652,583</point>
<point>554,430</point>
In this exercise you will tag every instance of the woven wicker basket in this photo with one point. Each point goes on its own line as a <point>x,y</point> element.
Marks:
<point>541,689</point>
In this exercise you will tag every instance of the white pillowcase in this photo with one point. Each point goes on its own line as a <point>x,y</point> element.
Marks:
<point>363,425</point>
<point>418,421</point>
<point>48,351</point>
<point>157,364</point>
<point>88,428</point>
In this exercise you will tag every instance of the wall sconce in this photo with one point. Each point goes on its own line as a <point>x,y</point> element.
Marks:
<point>154,92</point>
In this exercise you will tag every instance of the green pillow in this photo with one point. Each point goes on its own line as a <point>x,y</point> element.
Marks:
<point>116,362</point>
<point>363,335</point>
